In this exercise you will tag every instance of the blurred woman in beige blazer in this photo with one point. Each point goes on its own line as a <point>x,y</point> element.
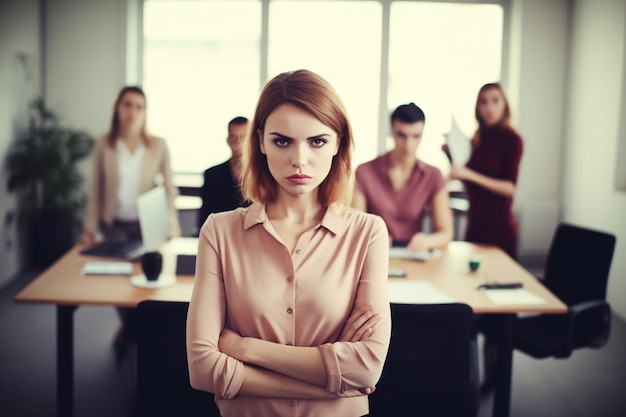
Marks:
<point>127,162</point>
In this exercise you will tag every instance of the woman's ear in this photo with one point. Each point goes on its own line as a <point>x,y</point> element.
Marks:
<point>261,142</point>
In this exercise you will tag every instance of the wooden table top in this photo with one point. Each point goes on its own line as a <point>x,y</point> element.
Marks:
<point>63,283</point>
<point>450,274</point>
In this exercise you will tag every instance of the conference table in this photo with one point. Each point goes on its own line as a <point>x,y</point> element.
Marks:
<point>447,275</point>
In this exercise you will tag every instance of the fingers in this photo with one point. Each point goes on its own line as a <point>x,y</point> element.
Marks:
<point>359,324</point>
<point>367,391</point>
<point>357,392</point>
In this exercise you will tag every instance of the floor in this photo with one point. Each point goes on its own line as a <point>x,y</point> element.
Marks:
<point>589,383</point>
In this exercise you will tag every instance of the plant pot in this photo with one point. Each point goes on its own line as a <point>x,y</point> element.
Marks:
<point>53,233</point>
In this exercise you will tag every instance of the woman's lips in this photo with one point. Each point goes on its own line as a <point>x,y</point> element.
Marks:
<point>299,179</point>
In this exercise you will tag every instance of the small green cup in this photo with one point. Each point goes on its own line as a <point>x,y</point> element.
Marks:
<point>474,264</point>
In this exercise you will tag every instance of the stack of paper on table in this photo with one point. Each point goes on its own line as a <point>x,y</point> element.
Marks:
<point>513,296</point>
<point>416,292</point>
<point>403,253</point>
<point>107,268</point>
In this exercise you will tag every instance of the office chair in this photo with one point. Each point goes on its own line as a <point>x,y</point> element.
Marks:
<point>163,387</point>
<point>429,368</point>
<point>577,271</point>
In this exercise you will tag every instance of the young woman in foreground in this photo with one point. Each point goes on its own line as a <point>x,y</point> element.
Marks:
<point>289,313</point>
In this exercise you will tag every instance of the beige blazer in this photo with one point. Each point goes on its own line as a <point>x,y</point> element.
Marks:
<point>102,200</point>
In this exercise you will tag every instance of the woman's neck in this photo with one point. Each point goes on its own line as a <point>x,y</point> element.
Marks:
<point>131,136</point>
<point>295,209</point>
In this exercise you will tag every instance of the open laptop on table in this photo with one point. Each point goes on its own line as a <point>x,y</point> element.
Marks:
<point>154,226</point>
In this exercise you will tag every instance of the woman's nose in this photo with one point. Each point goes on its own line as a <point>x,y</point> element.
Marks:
<point>299,156</point>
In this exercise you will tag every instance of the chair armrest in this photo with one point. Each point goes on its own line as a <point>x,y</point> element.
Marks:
<point>586,306</point>
<point>589,323</point>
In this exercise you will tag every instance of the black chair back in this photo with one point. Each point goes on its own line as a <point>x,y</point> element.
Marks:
<point>163,387</point>
<point>428,370</point>
<point>578,263</point>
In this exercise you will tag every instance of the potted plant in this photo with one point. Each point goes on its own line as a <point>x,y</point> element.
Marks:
<point>43,169</point>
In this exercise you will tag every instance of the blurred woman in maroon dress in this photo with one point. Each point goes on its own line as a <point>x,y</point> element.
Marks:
<point>489,178</point>
<point>490,175</point>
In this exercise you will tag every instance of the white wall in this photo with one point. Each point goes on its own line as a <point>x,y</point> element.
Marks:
<point>595,111</point>
<point>536,86</point>
<point>19,83</point>
<point>85,60</point>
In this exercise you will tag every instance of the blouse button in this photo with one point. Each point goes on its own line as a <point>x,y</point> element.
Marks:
<point>298,251</point>
<point>289,311</point>
<point>292,403</point>
<point>289,279</point>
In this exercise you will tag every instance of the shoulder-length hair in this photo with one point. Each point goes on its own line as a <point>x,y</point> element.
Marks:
<point>506,115</point>
<point>114,130</point>
<point>313,94</point>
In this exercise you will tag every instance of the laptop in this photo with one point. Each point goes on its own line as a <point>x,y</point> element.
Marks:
<point>153,223</point>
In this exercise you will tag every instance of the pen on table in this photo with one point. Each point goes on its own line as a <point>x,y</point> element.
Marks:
<point>503,286</point>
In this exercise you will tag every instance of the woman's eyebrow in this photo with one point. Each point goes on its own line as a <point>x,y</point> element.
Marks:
<point>320,136</point>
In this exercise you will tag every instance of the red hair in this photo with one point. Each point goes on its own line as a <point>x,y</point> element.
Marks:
<point>313,94</point>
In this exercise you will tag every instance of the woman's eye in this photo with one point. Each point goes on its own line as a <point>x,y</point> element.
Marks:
<point>318,142</point>
<point>280,142</point>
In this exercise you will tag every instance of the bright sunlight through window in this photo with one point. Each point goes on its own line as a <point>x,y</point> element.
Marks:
<point>203,63</point>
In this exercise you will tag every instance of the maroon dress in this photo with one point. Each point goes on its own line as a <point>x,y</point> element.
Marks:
<point>490,218</point>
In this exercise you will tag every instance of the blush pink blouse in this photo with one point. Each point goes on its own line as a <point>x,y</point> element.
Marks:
<point>247,280</point>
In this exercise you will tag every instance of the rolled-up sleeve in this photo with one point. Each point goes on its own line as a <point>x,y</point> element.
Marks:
<point>356,365</point>
<point>209,369</point>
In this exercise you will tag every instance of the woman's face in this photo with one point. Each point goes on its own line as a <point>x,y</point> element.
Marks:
<point>491,106</point>
<point>131,110</point>
<point>299,149</point>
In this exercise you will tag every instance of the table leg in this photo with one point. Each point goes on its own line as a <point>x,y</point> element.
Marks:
<point>65,360</point>
<point>502,397</point>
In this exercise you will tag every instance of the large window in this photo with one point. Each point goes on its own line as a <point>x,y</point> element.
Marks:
<point>201,69</point>
<point>440,54</point>
<point>206,61</point>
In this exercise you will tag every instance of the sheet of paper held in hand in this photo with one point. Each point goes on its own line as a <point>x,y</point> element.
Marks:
<point>416,292</point>
<point>107,268</point>
<point>513,296</point>
<point>459,145</point>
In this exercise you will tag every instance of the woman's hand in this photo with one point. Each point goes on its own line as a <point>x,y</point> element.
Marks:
<point>420,242</point>
<point>359,324</point>
<point>86,239</point>
<point>355,392</point>
<point>446,151</point>
<point>459,172</point>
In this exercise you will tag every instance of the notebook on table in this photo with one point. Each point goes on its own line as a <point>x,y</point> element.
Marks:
<point>153,223</point>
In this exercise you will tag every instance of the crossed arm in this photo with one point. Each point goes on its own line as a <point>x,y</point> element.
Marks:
<point>276,370</point>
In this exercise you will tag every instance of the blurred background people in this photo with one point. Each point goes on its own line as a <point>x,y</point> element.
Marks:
<point>221,190</point>
<point>490,175</point>
<point>401,188</point>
